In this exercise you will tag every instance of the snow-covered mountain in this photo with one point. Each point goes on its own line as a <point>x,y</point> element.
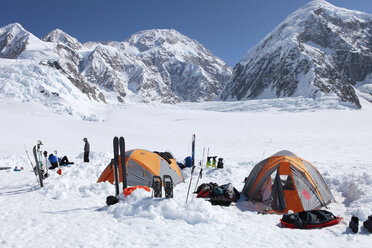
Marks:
<point>319,49</point>
<point>150,66</point>
<point>16,42</point>
<point>157,65</point>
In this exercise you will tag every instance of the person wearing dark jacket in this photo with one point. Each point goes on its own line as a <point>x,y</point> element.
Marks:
<point>86,150</point>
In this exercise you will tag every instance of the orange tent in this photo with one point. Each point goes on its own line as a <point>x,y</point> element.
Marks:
<point>286,182</point>
<point>142,165</point>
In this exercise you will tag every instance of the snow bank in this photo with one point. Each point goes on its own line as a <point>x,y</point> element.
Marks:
<point>70,210</point>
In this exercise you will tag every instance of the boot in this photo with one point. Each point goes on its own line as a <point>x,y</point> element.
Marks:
<point>368,224</point>
<point>354,224</point>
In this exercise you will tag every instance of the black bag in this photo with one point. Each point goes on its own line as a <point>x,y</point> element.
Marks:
<point>309,218</point>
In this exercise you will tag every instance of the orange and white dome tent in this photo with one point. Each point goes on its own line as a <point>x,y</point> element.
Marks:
<point>286,182</point>
<point>142,165</point>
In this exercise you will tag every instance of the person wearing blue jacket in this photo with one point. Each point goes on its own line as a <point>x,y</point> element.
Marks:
<point>62,161</point>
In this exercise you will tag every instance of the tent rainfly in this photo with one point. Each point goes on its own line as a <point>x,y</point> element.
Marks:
<point>142,165</point>
<point>286,182</point>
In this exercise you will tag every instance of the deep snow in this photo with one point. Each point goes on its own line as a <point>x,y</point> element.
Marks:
<point>70,210</point>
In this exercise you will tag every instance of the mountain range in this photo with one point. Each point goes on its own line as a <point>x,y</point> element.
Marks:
<point>318,50</point>
<point>157,65</point>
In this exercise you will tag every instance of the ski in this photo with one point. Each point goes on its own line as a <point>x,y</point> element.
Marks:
<point>168,186</point>
<point>38,165</point>
<point>122,162</point>
<point>116,164</point>
<point>199,177</point>
<point>188,191</point>
<point>202,161</point>
<point>193,150</point>
<point>43,169</point>
<point>46,162</point>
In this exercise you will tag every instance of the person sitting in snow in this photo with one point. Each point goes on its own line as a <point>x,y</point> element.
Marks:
<point>62,161</point>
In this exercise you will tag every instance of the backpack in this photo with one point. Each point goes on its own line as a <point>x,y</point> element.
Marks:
<point>188,162</point>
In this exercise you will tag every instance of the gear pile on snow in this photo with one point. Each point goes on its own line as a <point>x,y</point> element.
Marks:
<point>222,195</point>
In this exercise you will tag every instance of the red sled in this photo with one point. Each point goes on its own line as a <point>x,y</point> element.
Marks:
<point>329,223</point>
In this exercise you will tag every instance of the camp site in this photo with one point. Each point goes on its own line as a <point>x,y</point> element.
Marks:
<point>332,166</point>
<point>186,123</point>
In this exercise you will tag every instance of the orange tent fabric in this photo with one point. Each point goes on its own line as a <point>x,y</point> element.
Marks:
<point>286,182</point>
<point>142,165</point>
<point>129,190</point>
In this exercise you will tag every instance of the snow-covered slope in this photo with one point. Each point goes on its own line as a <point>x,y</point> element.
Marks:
<point>151,66</point>
<point>319,49</point>
<point>70,211</point>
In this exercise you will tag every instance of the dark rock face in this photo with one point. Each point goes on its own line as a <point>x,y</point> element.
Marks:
<point>319,49</point>
<point>76,79</point>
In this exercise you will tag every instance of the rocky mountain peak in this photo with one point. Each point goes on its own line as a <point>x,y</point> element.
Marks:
<point>59,36</point>
<point>147,39</point>
<point>13,28</point>
<point>319,49</point>
<point>13,40</point>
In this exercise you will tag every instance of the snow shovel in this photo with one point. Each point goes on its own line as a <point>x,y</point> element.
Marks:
<point>59,171</point>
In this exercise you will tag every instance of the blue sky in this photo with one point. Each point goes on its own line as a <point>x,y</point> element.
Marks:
<point>228,28</point>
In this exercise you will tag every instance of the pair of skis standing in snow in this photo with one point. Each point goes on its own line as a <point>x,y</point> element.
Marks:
<point>41,168</point>
<point>193,166</point>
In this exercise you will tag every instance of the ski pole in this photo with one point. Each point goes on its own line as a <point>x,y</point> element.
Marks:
<point>202,161</point>
<point>196,185</point>
<point>188,191</point>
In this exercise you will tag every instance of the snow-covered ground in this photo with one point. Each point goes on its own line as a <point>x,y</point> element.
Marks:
<point>70,210</point>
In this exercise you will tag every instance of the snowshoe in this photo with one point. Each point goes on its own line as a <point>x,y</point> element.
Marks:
<point>354,224</point>
<point>168,186</point>
<point>157,186</point>
<point>368,224</point>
